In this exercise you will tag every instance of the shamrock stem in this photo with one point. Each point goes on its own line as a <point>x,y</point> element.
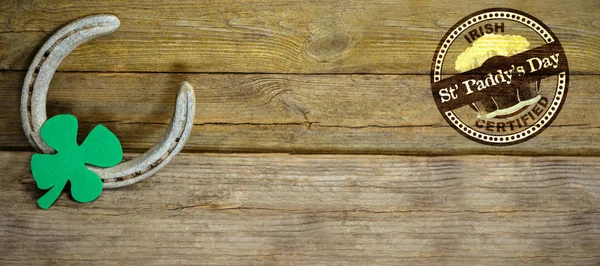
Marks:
<point>50,197</point>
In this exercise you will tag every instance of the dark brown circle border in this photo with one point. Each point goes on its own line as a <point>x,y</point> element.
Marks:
<point>528,16</point>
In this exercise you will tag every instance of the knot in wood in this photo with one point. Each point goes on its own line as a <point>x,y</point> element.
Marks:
<point>330,47</point>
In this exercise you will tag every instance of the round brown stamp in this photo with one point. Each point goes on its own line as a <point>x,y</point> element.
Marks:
<point>499,76</point>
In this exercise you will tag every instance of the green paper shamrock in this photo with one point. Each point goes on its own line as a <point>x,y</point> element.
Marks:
<point>101,148</point>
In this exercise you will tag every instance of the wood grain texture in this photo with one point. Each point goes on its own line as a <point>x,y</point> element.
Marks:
<point>375,114</point>
<point>310,76</point>
<point>317,210</point>
<point>308,36</point>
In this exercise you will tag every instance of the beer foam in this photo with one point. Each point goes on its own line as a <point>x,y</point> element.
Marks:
<point>488,46</point>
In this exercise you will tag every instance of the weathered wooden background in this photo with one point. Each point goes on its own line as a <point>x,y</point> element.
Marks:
<point>316,140</point>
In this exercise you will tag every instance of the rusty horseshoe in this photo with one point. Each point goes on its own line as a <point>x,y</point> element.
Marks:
<point>35,89</point>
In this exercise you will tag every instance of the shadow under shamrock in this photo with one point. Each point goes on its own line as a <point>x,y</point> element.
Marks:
<point>35,193</point>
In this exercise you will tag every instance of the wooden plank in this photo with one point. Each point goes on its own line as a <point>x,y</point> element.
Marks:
<point>341,36</point>
<point>249,209</point>
<point>376,114</point>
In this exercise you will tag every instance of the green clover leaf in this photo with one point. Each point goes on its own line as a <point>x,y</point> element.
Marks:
<point>101,148</point>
